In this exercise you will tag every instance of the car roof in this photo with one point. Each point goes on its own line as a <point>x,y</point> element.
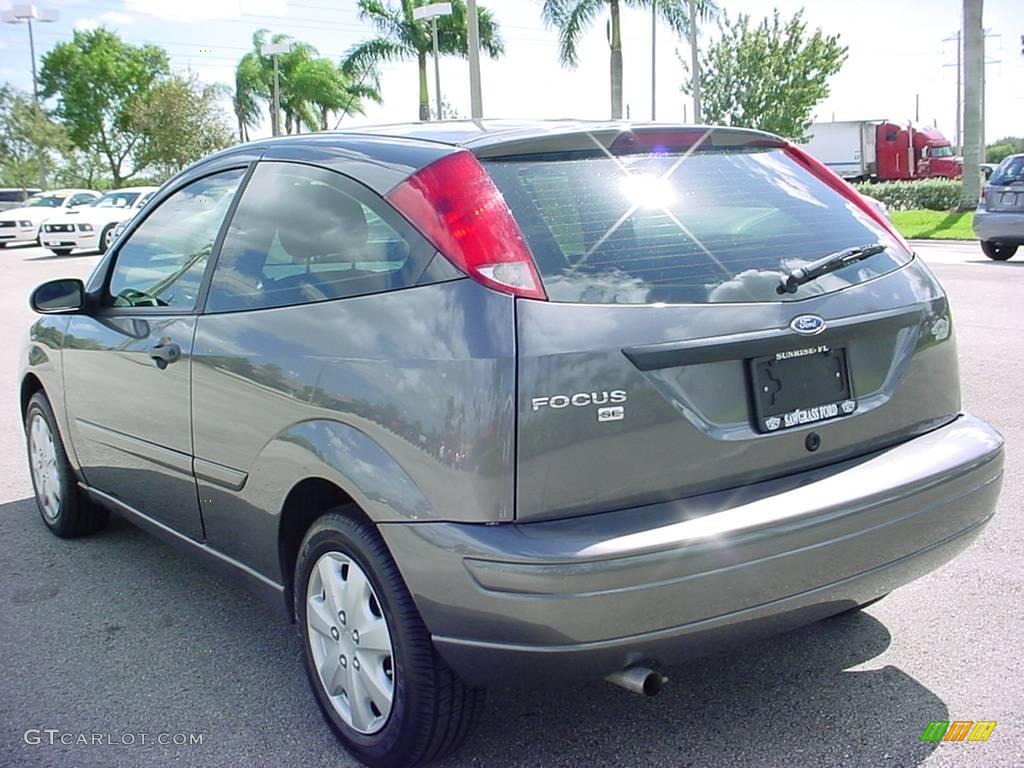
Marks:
<point>122,190</point>
<point>381,156</point>
<point>67,191</point>
<point>476,134</point>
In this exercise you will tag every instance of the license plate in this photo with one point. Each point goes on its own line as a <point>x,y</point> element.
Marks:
<point>1008,198</point>
<point>801,386</point>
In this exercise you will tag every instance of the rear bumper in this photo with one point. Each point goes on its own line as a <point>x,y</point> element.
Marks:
<point>589,595</point>
<point>999,226</point>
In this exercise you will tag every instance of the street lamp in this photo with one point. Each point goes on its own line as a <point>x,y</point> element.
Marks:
<point>26,13</point>
<point>432,12</point>
<point>273,49</point>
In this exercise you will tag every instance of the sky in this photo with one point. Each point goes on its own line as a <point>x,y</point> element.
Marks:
<point>897,52</point>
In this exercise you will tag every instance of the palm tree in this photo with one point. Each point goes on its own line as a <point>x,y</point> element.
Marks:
<point>401,37</point>
<point>310,87</point>
<point>250,92</point>
<point>974,63</point>
<point>325,86</point>
<point>572,17</point>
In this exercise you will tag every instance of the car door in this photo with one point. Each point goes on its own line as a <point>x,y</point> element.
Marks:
<point>127,365</point>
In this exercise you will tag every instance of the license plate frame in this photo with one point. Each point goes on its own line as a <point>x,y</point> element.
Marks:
<point>797,387</point>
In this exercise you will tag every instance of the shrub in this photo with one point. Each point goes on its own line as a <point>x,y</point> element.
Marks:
<point>926,194</point>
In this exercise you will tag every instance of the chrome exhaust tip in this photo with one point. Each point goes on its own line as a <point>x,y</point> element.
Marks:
<point>640,680</point>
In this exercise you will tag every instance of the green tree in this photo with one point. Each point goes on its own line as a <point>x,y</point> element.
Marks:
<point>30,142</point>
<point>573,17</point>
<point>401,37</point>
<point>97,79</point>
<point>769,76</point>
<point>1002,148</point>
<point>181,121</point>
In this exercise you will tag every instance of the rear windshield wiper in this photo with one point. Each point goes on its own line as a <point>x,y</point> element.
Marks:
<point>797,277</point>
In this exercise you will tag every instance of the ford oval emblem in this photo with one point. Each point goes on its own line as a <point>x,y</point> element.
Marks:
<point>808,325</point>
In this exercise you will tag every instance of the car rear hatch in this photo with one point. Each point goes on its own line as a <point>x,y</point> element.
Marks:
<point>1005,190</point>
<point>666,361</point>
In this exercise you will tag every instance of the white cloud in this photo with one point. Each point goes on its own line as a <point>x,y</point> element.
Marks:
<point>86,25</point>
<point>116,19</point>
<point>192,10</point>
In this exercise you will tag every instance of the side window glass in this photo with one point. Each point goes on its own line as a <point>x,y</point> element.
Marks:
<point>80,199</point>
<point>303,234</point>
<point>162,263</point>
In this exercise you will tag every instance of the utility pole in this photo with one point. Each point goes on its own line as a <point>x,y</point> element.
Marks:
<point>654,59</point>
<point>473,34</point>
<point>959,98</point>
<point>432,12</point>
<point>958,37</point>
<point>694,62</point>
<point>273,50</point>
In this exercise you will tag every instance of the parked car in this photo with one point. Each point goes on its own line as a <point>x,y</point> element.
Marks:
<point>22,225</point>
<point>486,403</point>
<point>987,169</point>
<point>93,226</point>
<point>15,197</point>
<point>999,219</point>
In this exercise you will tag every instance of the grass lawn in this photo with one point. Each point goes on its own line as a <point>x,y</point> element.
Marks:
<point>933,225</point>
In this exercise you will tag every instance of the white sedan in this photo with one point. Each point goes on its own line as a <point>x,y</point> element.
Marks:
<point>21,225</point>
<point>93,227</point>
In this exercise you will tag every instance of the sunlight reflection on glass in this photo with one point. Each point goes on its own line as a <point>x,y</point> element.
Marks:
<point>648,191</point>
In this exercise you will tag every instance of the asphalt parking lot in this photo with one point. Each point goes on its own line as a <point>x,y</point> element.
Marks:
<point>119,634</point>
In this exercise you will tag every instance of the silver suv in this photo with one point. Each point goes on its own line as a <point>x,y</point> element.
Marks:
<point>489,403</point>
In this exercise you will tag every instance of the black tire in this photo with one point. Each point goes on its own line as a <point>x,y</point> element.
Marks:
<point>103,238</point>
<point>998,252</point>
<point>61,251</point>
<point>433,710</point>
<point>76,515</point>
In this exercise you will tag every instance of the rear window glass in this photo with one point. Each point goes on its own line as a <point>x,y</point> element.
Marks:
<point>1010,171</point>
<point>12,196</point>
<point>710,227</point>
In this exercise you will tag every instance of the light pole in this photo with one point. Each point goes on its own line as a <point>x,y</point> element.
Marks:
<point>26,13</point>
<point>273,50</point>
<point>432,12</point>
<point>695,62</point>
<point>654,58</point>
<point>476,100</point>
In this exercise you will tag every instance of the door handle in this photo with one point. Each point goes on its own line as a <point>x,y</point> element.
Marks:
<point>163,352</point>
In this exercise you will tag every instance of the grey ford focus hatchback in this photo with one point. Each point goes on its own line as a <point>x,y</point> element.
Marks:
<point>489,403</point>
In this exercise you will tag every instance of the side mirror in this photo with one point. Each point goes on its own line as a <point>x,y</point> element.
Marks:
<point>58,297</point>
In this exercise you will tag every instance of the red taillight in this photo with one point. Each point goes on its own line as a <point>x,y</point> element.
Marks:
<point>840,185</point>
<point>454,203</point>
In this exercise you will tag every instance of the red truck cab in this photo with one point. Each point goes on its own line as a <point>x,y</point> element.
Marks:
<point>904,152</point>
